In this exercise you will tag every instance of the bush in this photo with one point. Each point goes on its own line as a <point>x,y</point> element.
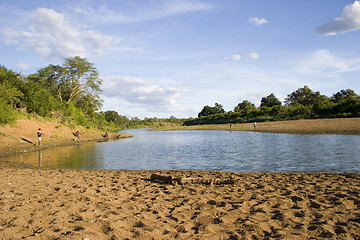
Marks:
<point>7,113</point>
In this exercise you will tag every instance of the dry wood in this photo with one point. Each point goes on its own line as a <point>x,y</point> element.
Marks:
<point>198,180</point>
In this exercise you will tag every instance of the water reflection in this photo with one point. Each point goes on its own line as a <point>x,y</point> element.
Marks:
<point>77,156</point>
<point>40,159</point>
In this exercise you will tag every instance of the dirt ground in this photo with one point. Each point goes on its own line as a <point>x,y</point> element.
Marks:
<point>78,204</point>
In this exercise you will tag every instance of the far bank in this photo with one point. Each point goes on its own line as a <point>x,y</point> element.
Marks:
<point>308,126</point>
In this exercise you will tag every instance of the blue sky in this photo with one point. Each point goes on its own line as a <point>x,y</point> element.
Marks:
<point>162,58</point>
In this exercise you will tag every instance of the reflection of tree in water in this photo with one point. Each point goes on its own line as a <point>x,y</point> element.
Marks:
<point>79,156</point>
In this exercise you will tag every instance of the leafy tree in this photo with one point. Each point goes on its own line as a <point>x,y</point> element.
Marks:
<point>347,103</point>
<point>245,107</point>
<point>10,95</point>
<point>344,95</point>
<point>9,77</point>
<point>76,81</point>
<point>207,110</point>
<point>304,96</point>
<point>112,116</point>
<point>9,83</point>
<point>7,113</point>
<point>38,99</point>
<point>270,101</point>
<point>324,106</point>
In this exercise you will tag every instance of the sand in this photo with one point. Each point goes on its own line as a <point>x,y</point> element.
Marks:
<point>78,204</point>
<point>304,126</point>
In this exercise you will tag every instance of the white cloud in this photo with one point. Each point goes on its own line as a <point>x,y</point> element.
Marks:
<point>235,57</point>
<point>324,63</point>
<point>349,20</point>
<point>257,21</point>
<point>139,91</point>
<point>252,55</point>
<point>156,10</point>
<point>52,35</point>
<point>23,66</point>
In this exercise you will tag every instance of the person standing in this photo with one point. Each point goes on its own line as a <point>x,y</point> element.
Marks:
<point>254,125</point>
<point>39,134</point>
<point>77,134</point>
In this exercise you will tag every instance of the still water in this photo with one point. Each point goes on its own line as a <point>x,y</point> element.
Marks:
<point>207,150</point>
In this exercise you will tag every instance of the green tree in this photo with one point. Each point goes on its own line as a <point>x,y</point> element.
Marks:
<point>270,101</point>
<point>76,81</point>
<point>347,103</point>
<point>245,107</point>
<point>324,106</point>
<point>344,95</point>
<point>207,110</point>
<point>112,116</point>
<point>39,100</point>
<point>9,83</point>
<point>304,96</point>
<point>10,95</point>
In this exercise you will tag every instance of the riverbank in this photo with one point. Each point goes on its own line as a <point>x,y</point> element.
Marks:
<point>78,204</point>
<point>21,137</point>
<point>306,126</point>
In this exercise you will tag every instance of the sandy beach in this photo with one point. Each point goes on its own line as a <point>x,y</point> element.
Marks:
<point>76,204</point>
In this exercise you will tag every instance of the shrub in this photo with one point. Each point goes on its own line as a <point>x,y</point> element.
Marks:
<point>7,113</point>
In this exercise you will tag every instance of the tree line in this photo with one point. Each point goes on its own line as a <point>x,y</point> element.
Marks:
<point>69,92</point>
<point>303,103</point>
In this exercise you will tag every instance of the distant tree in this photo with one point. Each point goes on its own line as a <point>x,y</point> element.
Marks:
<point>270,101</point>
<point>344,95</point>
<point>347,103</point>
<point>112,115</point>
<point>207,110</point>
<point>245,107</point>
<point>304,96</point>
<point>323,106</point>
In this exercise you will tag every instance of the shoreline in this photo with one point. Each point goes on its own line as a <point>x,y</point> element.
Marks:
<point>21,137</point>
<point>127,204</point>
<point>346,126</point>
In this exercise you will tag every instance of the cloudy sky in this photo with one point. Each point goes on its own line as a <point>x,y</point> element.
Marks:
<point>162,58</point>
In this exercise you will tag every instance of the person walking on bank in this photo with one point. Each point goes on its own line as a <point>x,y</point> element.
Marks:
<point>39,134</point>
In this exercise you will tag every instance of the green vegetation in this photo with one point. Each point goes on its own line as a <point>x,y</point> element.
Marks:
<point>301,104</point>
<point>69,92</point>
